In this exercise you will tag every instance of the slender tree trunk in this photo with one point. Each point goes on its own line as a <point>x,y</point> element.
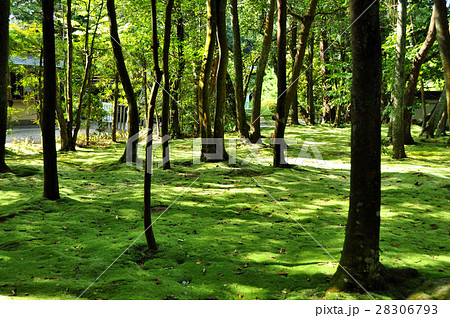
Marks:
<point>310,82</point>
<point>126,83</point>
<point>424,106</point>
<point>115,108</point>
<point>324,59</point>
<point>166,90</point>
<point>4,57</point>
<point>238,80</point>
<point>399,84</point>
<point>205,74</point>
<point>301,49</point>
<point>280,116</point>
<point>360,255</point>
<point>149,235</point>
<point>231,100</point>
<point>443,37</point>
<point>69,87</point>
<point>61,121</point>
<point>293,51</point>
<point>255,126</point>
<point>413,77</point>
<point>88,115</point>
<point>176,129</point>
<point>219,119</point>
<point>436,114</point>
<point>51,188</point>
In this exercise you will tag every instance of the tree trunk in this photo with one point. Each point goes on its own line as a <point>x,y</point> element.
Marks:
<point>219,119</point>
<point>436,114</point>
<point>176,129</point>
<point>126,83</point>
<point>399,84</point>
<point>61,121</point>
<point>166,89</point>
<point>324,59</point>
<point>204,81</point>
<point>301,49</point>
<point>115,108</point>
<point>238,80</point>
<point>89,103</point>
<point>51,188</point>
<point>442,126</point>
<point>148,226</point>
<point>4,57</point>
<point>255,126</point>
<point>282,109</point>
<point>424,106</point>
<point>360,255</point>
<point>293,51</point>
<point>443,37</point>
<point>69,90</point>
<point>413,77</point>
<point>310,82</point>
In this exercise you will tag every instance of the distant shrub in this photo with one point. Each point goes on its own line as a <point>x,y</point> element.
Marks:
<point>268,106</point>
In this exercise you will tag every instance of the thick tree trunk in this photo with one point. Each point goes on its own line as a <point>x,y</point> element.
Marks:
<point>115,108</point>
<point>4,57</point>
<point>301,49</point>
<point>413,78</point>
<point>126,83</point>
<point>324,59</point>
<point>148,225</point>
<point>310,82</point>
<point>255,126</point>
<point>435,117</point>
<point>205,77</point>
<point>399,84</point>
<point>442,126</point>
<point>443,36</point>
<point>360,255</point>
<point>239,80</point>
<point>166,89</point>
<point>51,188</point>
<point>282,109</point>
<point>219,119</point>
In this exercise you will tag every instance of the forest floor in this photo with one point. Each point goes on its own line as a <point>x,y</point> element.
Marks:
<point>242,230</point>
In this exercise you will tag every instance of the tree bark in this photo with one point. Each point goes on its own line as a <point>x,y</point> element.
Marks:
<point>69,87</point>
<point>413,77</point>
<point>399,84</point>
<point>293,51</point>
<point>62,123</point>
<point>310,82</point>
<point>238,80</point>
<point>51,188</point>
<point>436,114</point>
<point>176,129</point>
<point>442,126</point>
<point>443,37</point>
<point>126,83</point>
<point>219,129</point>
<point>301,49</point>
<point>148,226</point>
<point>360,255</point>
<point>4,57</point>
<point>282,109</point>
<point>205,77</point>
<point>166,89</point>
<point>324,59</point>
<point>115,108</point>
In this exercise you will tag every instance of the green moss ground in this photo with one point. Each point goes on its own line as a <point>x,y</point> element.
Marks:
<point>225,237</point>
